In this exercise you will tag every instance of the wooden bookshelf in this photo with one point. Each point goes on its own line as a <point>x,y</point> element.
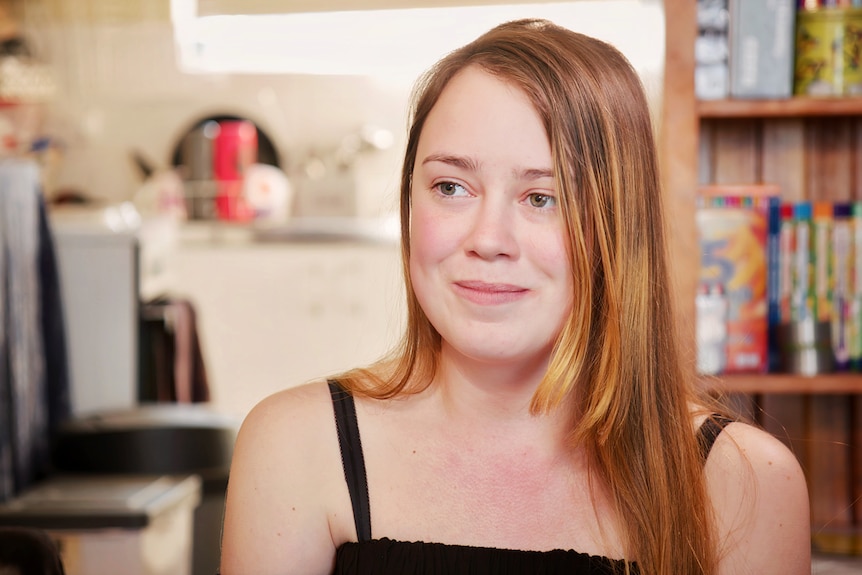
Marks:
<point>783,383</point>
<point>812,149</point>
<point>787,108</point>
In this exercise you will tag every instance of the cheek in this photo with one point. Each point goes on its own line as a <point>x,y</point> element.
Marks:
<point>548,251</point>
<point>429,240</point>
<point>422,241</point>
<point>553,259</point>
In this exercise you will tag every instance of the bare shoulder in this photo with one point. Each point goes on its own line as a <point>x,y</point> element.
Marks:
<point>296,409</point>
<point>294,422</point>
<point>760,498</point>
<point>285,480</point>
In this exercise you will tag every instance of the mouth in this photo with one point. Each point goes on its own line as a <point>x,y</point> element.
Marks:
<point>489,293</point>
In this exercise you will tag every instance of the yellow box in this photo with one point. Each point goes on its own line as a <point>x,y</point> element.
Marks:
<point>828,52</point>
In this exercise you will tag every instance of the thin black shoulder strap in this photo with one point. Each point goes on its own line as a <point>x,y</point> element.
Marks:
<point>351,458</point>
<point>709,432</point>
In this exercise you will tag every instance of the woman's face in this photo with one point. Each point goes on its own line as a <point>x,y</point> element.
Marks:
<point>488,259</point>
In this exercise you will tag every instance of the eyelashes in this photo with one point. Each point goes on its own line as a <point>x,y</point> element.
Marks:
<point>537,200</point>
<point>451,189</point>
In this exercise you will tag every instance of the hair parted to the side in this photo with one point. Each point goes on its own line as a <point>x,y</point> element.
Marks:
<point>616,362</point>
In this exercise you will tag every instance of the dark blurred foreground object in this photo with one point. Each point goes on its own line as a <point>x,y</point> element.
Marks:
<point>159,438</point>
<point>113,524</point>
<point>29,551</point>
<point>15,47</point>
<point>34,377</point>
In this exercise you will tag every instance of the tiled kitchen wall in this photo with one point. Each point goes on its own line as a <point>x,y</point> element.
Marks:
<point>120,90</point>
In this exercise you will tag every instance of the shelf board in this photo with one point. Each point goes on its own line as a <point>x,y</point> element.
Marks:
<point>830,383</point>
<point>790,107</point>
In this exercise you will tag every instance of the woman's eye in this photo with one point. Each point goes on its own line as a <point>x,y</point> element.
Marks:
<point>542,201</point>
<point>451,189</point>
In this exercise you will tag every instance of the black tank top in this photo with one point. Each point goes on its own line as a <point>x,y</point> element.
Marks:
<point>390,557</point>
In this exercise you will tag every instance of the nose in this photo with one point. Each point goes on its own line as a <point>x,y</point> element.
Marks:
<point>493,233</point>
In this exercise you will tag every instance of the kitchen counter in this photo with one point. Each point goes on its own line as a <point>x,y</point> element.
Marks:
<point>385,231</point>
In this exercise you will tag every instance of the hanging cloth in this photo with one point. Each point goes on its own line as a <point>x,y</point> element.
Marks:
<point>172,366</point>
<point>28,404</point>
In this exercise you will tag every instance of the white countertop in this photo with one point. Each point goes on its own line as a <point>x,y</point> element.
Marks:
<point>298,230</point>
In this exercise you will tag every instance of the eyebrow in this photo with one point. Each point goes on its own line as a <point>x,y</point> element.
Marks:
<point>463,162</point>
<point>470,164</point>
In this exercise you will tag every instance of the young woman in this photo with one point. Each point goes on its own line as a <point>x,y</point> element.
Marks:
<point>537,417</point>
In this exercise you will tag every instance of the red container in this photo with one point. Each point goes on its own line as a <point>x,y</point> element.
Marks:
<point>234,150</point>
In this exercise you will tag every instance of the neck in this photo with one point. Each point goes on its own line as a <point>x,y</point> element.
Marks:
<point>492,397</point>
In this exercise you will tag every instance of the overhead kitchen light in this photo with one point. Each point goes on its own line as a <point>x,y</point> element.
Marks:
<point>394,43</point>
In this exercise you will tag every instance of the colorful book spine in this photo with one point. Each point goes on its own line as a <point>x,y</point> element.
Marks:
<point>855,340</point>
<point>803,304</point>
<point>823,274</point>
<point>787,247</point>
<point>771,205</point>
<point>842,265</point>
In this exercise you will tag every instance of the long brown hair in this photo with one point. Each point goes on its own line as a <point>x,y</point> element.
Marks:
<point>616,361</point>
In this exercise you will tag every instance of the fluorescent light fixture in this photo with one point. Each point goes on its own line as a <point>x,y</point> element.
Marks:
<point>392,43</point>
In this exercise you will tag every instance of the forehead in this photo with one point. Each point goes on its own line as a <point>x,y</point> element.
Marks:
<point>479,113</point>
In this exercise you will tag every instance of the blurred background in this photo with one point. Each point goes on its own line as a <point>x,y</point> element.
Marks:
<point>198,208</point>
<point>136,84</point>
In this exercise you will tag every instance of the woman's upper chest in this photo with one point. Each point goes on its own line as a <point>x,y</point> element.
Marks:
<point>480,488</point>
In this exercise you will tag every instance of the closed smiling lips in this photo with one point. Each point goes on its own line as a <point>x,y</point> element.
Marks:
<point>489,293</point>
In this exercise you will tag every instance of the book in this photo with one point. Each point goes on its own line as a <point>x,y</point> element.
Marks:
<point>772,207</point>
<point>822,224</point>
<point>762,38</point>
<point>842,266</point>
<point>854,340</point>
<point>786,249</point>
<point>803,303</point>
<point>733,243</point>
<point>711,74</point>
<point>765,198</point>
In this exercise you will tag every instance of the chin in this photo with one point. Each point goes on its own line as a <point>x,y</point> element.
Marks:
<point>502,353</point>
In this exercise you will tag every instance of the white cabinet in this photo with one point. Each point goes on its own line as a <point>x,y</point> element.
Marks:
<point>99,286</point>
<point>275,315</point>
